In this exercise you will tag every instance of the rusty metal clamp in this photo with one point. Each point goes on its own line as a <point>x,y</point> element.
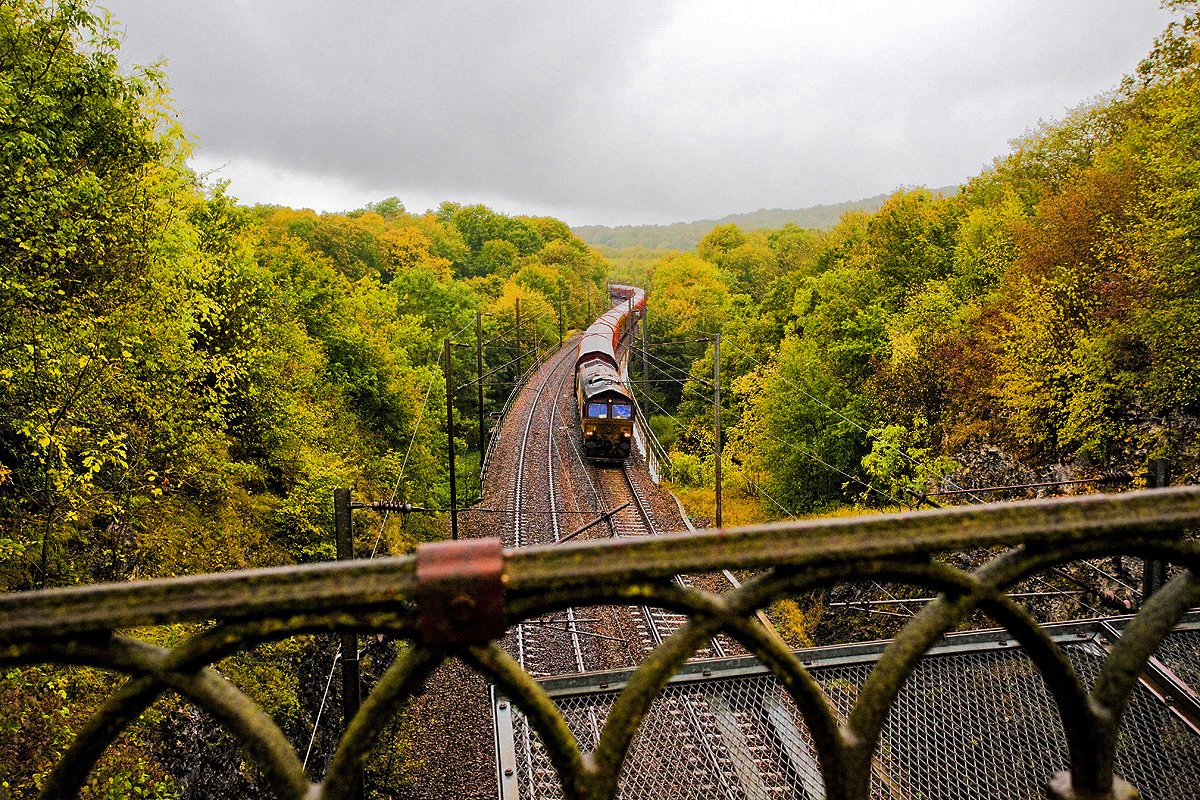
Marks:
<point>460,591</point>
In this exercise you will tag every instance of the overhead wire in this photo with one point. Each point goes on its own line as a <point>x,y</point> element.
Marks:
<point>887,445</point>
<point>874,438</point>
<point>511,329</point>
<point>690,377</point>
<point>855,424</point>
<point>317,723</point>
<point>786,511</point>
<point>792,445</point>
<point>735,468</point>
<point>798,449</point>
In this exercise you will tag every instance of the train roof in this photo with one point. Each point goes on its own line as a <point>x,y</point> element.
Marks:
<point>636,292</point>
<point>599,340</point>
<point>598,380</point>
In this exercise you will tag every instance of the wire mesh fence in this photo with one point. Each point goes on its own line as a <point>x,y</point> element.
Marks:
<point>975,720</point>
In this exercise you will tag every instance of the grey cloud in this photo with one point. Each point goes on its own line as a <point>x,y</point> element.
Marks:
<point>557,105</point>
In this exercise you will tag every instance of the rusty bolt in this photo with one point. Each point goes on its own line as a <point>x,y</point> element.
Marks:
<point>461,608</point>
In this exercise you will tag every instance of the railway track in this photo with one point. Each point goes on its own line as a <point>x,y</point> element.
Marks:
<point>554,493</point>
<point>621,490</point>
<point>551,645</point>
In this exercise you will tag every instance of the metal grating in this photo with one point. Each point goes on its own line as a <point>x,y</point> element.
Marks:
<point>967,725</point>
<point>1180,652</point>
<point>752,745</point>
<point>1156,752</point>
<point>975,720</point>
<point>983,724</point>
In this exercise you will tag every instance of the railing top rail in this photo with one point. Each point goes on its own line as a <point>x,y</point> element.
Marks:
<point>810,543</point>
<point>390,584</point>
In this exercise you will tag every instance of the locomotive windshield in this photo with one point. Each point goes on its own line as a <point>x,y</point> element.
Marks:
<point>622,411</point>
<point>597,410</point>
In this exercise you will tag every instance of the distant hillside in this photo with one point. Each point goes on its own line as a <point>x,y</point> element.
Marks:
<point>686,235</point>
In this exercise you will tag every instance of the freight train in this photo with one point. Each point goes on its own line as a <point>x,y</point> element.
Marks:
<point>606,407</point>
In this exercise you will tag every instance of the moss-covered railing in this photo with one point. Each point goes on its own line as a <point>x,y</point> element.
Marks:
<point>442,595</point>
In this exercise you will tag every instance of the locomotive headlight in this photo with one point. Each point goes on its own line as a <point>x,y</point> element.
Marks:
<point>626,434</point>
<point>589,433</point>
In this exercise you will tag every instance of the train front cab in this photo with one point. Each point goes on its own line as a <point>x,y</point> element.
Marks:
<point>607,427</point>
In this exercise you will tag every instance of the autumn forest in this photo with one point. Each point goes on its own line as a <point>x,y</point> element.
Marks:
<point>185,379</point>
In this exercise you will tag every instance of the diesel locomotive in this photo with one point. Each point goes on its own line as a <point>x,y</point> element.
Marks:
<point>606,407</point>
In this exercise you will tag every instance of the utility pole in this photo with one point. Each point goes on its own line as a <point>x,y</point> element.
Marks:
<point>479,367</point>
<point>561,305</point>
<point>1154,571</point>
<point>518,341</point>
<point>343,524</point>
<point>717,419</point>
<point>450,436</point>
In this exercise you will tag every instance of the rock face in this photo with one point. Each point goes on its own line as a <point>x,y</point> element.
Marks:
<point>1175,436</point>
<point>987,465</point>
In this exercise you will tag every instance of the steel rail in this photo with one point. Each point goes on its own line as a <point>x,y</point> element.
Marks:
<point>518,495</point>
<point>554,524</point>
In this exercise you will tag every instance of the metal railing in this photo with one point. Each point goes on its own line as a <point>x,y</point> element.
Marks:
<point>991,732</point>
<point>658,463</point>
<point>452,600</point>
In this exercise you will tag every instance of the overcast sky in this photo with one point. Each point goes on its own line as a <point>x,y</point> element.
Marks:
<point>621,111</point>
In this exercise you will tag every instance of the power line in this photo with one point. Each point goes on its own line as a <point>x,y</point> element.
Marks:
<point>792,445</point>
<point>758,488</point>
<point>839,414</point>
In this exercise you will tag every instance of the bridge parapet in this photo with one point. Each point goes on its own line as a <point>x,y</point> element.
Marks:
<point>82,626</point>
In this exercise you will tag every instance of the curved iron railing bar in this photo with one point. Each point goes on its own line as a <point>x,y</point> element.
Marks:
<point>139,693</point>
<point>1091,756</point>
<point>254,729</point>
<point>602,766</point>
<point>1127,659</point>
<point>400,682</point>
<point>575,769</point>
<point>864,726</point>
<point>859,737</point>
<point>654,672</point>
<point>208,690</point>
<point>119,711</point>
<point>1035,559</point>
<point>98,733</point>
<point>866,720</point>
<point>878,694</point>
<point>224,639</point>
<point>644,686</point>
<point>1058,674</point>
<point>805,692</point>
<point>650,593</point>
